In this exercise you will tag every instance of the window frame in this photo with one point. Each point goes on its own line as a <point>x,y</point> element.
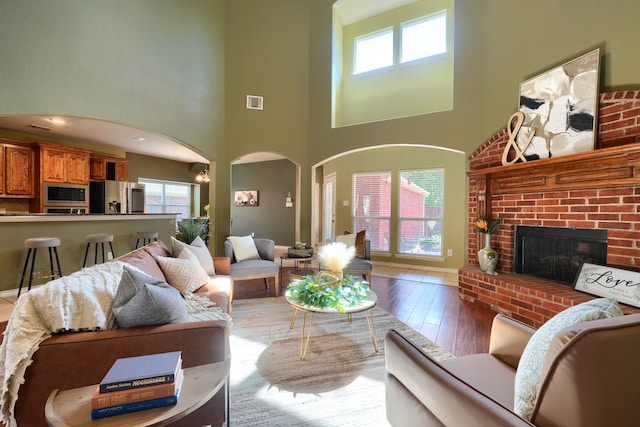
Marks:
<point>425,219</point>
<point>369,36</point>
<point>190,195</point>
<point>357,221</point>
<point>417,21</point>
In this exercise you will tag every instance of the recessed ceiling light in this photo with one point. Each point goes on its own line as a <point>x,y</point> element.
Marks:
<point>57,121</point>
<point>140,138</point>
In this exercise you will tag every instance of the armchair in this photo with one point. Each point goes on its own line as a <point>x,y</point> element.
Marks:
<point>589,378</point>
<point>262,268</point>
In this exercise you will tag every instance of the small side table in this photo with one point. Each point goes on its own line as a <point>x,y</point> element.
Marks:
<point>305,261</point>
<point>72,408</point>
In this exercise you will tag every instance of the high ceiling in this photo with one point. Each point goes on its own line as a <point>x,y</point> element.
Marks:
<point>101,133</point>
<point>351,11</point>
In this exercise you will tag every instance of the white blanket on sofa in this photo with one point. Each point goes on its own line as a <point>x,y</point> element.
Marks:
<point>81,301</point>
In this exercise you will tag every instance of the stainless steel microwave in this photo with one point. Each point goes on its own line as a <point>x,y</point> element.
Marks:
<point>65,194</point>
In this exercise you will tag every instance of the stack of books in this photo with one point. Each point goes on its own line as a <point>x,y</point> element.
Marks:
<point>138,383</point>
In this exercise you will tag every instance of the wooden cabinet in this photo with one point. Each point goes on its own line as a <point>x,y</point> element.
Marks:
<point>109,168</point>
<point>60,164</point>
<point>16,171</point>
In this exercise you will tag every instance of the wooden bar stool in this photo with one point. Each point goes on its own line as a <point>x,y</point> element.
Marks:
<point>146,237</point>
<point>101,238</point>
<point>32,246</point>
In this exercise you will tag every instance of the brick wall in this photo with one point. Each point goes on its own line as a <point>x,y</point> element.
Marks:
<point>616,210</point>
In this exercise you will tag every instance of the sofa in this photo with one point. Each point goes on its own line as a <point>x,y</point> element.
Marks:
<point>77,359</point>
<point>589,377</point>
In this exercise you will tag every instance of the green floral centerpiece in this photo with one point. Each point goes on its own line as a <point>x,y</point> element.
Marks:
<point>331,289</point>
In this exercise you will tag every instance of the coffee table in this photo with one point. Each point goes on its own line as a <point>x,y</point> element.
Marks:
<point>365,305</point>
<point>72,407</point>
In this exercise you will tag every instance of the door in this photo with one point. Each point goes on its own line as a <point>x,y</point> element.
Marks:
<point>329,207</point>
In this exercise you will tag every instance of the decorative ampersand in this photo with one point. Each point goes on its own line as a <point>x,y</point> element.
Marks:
<point>512,130</point>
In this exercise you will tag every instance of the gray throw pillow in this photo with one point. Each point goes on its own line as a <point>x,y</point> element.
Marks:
<point>142,300</point>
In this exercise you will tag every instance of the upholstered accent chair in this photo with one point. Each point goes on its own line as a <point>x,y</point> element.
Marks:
<point>263,267</point>
<point>588,378</point>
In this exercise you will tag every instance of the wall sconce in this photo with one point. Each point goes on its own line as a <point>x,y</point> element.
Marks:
<point>203,176</point>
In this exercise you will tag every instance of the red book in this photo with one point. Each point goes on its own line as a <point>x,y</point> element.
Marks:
<point>132,395</point>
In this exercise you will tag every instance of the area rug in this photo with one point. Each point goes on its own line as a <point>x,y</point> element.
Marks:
<point>340,383</point>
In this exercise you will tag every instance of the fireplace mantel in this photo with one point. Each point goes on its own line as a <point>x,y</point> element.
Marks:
<point>603,168</point>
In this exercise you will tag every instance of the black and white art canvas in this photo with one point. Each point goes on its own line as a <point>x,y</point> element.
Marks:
<point>560,109</point>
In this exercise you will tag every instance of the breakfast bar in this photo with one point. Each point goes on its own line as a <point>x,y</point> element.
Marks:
<point>71,229</point>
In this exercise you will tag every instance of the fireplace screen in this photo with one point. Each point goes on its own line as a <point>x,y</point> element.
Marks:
<point>557,253</point>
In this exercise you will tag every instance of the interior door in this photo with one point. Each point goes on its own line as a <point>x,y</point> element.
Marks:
<point>329,207</point>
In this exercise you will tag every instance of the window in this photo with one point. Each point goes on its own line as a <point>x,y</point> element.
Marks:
<point>373,51</point>
<point>420,212</point>
<point>372,207</point>
<point>167,197</point>
<point>425,37</point>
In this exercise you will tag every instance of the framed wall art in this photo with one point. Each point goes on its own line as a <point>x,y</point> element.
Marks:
<point>609,282</point>
<point>560,109</point>
<point>246,198</point>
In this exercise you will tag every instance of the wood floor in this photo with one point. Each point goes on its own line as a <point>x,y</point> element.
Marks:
<point>433,309</point>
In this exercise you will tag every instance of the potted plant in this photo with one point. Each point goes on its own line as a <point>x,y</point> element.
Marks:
<point>487,256</point>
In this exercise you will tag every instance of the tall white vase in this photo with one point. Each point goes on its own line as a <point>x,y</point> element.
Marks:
<point>488,257</point>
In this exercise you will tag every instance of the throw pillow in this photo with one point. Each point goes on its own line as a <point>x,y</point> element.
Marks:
<point>347,239</point>
<point>359,243</point>
<point>183,273</point>
<point>142,300</point>
<point>244,248</point>
<point>533,356</point>
<point>199,249</point>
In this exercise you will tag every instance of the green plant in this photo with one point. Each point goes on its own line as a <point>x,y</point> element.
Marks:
<point>321,290</point>
<point>189,229</point>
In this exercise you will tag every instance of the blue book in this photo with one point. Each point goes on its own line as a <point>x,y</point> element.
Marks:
<point>142,371</point>
<point>138,406</point>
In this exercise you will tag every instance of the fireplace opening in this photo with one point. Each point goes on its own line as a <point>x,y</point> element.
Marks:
<point>556,254</point>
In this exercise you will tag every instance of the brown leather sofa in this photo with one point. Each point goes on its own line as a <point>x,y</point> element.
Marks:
<point>589,378</point>
<point>73,360</point>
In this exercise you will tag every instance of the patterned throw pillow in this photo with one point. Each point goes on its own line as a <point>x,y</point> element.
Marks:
<point>142,300</point>
<point>183,273</point>
<point>534,354</point>
<point>199,249</point>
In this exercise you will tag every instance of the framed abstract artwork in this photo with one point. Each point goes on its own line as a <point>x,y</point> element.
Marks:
<point>560,109</point>
<point>246,198</point>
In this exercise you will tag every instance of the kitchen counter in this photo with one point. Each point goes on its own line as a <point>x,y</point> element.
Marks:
<point>55,217</point>
<point>70,229</point>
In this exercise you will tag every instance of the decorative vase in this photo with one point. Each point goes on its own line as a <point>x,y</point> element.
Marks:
<point>488,257</point>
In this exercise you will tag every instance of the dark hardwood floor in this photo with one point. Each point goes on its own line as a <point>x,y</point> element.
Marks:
<point>434,310</point>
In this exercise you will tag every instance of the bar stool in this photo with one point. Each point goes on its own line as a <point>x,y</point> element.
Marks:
<point>32,245</point>
<point>146,237</point>
<point>101,238</point>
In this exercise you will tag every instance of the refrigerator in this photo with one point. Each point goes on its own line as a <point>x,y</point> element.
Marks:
<point>116,197</point>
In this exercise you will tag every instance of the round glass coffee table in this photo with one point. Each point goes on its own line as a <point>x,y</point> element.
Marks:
<point>365,305</point>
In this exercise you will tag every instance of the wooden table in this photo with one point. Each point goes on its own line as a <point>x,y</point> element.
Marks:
<point>72,408</point>
<point>365,305</point>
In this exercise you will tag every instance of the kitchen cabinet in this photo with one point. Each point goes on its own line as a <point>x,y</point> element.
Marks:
<point>16,171</point>
<point>108,168</point>
<point>60,164</point>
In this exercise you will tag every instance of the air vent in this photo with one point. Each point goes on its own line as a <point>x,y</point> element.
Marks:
<point>39,127</point>
<point>254,102</point>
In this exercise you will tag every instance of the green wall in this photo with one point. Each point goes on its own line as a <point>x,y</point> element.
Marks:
<point>271,219</point>
<point>183,69</point>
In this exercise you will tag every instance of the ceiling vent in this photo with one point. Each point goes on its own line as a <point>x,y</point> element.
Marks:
<point>254,102</point>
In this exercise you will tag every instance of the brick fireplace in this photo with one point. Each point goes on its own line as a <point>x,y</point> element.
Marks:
<point>599,189</point>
